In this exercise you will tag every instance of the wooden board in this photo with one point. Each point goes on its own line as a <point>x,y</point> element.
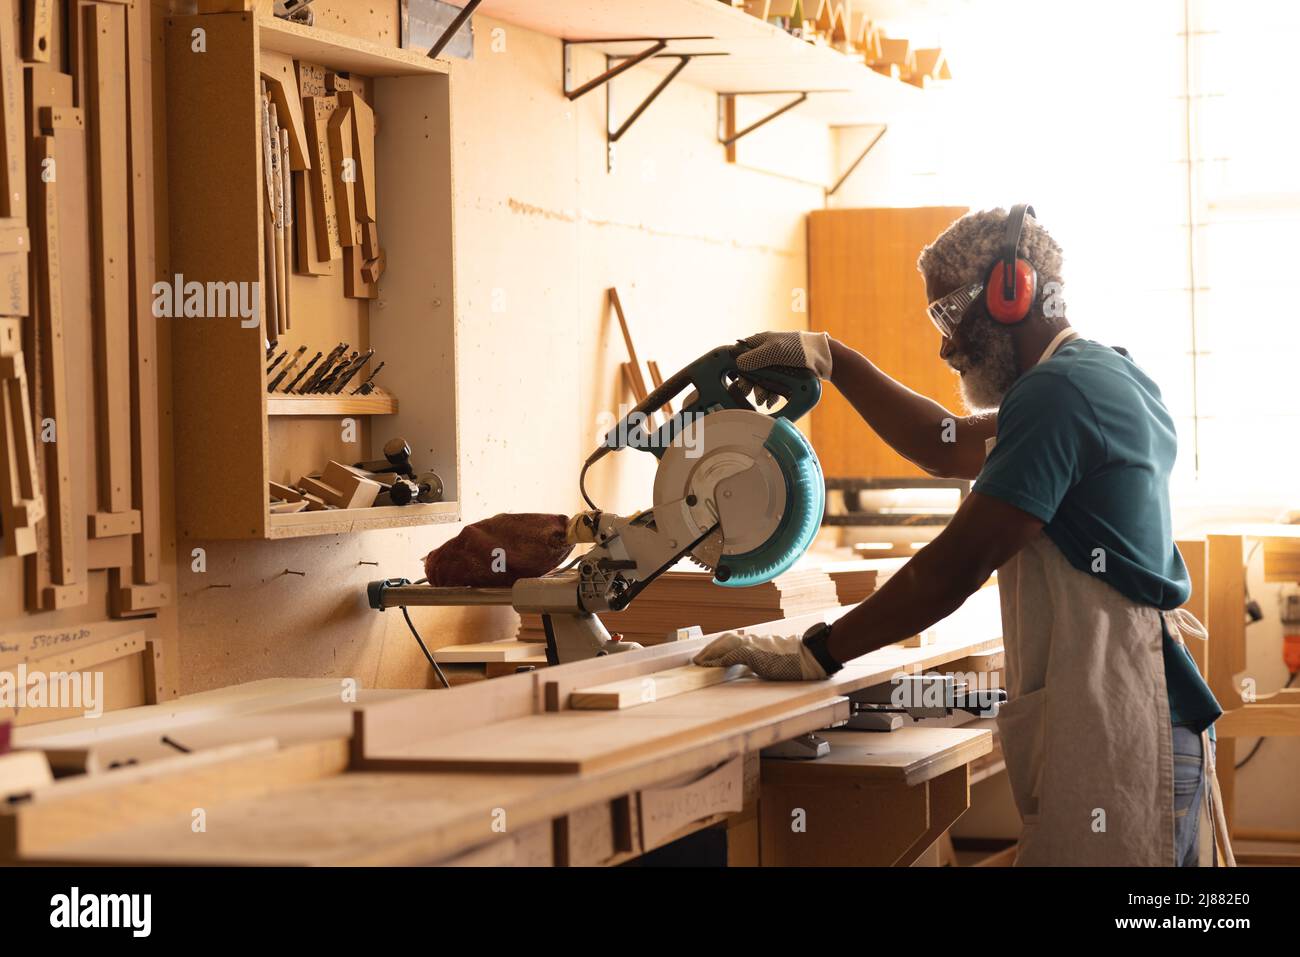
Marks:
<point>575,741</point>
<point>909,756</point>
<point>865,291</point>
<point>633,692</point>
<point>282,83</point>
<point>318,110</point>
<point>107,122</point>
<point>487,651</point>
<point>13,164</point>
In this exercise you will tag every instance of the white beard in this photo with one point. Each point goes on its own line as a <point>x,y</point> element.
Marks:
<point>987,368</point>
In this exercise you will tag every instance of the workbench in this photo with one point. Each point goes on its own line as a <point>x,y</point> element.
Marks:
<point>307,772</point>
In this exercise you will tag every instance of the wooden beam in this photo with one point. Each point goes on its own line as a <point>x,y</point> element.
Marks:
<point>1226,618</point>
<point>107,119</point>
<point>13,163</point>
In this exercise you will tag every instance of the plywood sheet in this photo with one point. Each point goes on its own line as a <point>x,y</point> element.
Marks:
<point>864,290</point>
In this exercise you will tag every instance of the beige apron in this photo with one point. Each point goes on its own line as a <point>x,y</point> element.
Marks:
<point>1085,732</point>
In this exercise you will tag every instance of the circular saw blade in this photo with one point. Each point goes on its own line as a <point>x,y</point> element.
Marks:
<point>718,470</point>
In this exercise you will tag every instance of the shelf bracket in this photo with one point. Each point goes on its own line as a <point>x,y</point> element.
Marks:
<point>832,190</point>
<point>727,116</point>
<point>616,64</point>
<point>457,22</point>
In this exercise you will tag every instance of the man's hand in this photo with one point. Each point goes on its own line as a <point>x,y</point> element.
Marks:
<point>794,350</point>
<point>771,657</point>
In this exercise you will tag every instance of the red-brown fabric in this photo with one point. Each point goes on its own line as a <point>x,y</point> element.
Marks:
<point>531,544</point>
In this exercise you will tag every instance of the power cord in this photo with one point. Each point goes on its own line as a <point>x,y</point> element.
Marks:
<point>437,670</point>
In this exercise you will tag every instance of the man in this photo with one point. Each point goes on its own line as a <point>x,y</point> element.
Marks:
<point>1070,448</point>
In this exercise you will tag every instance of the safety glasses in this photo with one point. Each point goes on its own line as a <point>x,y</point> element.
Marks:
<point>947,313</point>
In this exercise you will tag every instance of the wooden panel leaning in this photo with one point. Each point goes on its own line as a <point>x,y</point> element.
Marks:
<point>864,289</point>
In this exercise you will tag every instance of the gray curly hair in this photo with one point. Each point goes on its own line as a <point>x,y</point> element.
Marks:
<point>963,252</point>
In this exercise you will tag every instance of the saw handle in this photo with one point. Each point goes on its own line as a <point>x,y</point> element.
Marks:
<point>708,376</point>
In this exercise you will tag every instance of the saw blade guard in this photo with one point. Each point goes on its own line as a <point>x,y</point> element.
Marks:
<point>805,501</point>
<point>756,479</point>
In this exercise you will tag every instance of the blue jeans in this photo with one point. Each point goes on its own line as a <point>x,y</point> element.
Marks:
<point>1189,794</point>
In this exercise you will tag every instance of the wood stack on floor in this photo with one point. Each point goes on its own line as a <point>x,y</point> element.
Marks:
<point>686,596</point>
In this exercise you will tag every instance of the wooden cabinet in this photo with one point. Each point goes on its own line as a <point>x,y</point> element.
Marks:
<point>865,290</point>
<point>232,438</point>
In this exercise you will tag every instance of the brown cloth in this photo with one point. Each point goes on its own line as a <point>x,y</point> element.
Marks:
<point>530,543</point>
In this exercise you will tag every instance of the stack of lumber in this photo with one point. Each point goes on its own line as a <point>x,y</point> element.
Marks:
<point>855,579</point>
<point>686,596</point>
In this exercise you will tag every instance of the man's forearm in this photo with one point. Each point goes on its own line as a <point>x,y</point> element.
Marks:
<point>916,597</point>
<point>917,427</point>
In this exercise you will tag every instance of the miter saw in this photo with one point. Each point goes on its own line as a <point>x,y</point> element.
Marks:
<point>739,491</point>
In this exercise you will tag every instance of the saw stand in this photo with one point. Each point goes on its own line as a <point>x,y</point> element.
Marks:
<point>572,634</point>
<point>882,707</point>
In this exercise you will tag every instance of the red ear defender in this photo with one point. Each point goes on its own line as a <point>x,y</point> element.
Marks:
<point>1016,308</point>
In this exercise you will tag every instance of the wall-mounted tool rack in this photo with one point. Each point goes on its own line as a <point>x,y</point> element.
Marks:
<point>235,437</point>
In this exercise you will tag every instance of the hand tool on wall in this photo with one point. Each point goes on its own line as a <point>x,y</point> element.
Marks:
<point>368,386</point>
<point>350,372</point>
<point>305,369</point>
<point>328,380</point>
<point>289,367</point>
<point>737,490</point>
<point>323,368</point>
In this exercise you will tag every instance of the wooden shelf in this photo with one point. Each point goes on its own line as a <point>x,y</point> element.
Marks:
<point>342,52</point>
<point>237,437</point>
<point>376,403</point>
<point>760,56</point>
<point>341,521</point>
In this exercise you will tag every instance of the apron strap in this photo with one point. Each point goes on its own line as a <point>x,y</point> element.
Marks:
<point>1181,620</point>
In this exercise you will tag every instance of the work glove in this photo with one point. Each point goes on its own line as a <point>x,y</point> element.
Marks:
<point>794,350</point>
<point>768,656</point>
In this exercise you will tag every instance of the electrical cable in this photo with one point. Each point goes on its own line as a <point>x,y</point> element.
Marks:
<point>410,624</point>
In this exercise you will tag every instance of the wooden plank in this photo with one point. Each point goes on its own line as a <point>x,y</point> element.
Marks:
<point>363,134</point>
<point>1194,554</point>
<point>1260,720</point>
<point>57,581</point>
<point>144,591</point>
<point>862,267</point>
<point>343,173</point>
<point>90,806</point>
<point>632,692</point>
<point>39,21</point>
<point>222,452</point>
<point>22,772</point>
<point>485,651</point>
<point>349,819</point>
<point>1225,620</point>
<point>318,110</point>
<point>13,164</point>
<point>107,120</point>
<point>909,756</point>
<point>282,82</point>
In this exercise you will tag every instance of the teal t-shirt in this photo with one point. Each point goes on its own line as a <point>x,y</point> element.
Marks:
<point>1086,446</point>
